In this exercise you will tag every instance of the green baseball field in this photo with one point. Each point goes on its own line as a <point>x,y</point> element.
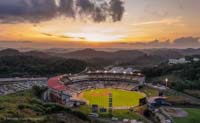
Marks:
<point>121,98</point>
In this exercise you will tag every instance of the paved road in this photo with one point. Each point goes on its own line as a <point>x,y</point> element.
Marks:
<point>186,95</point>
<point>174,91</point>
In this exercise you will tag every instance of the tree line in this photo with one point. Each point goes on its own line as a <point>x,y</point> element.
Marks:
<point>26,66</point>
<point>188,74</point>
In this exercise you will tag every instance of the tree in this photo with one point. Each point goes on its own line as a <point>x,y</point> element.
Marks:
<point>38,91</point>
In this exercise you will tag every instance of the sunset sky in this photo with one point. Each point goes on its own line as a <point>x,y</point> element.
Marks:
<point>122,22</point>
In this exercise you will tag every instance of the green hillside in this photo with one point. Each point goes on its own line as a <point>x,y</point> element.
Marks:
<point>24,107</point>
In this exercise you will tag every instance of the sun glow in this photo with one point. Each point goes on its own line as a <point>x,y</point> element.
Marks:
<point>96,37</point>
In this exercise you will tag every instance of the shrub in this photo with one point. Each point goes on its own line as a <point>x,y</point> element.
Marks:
<point>53,108</point>
<point>80,115</point>
<point>36,101</point>
<point>24,106</point>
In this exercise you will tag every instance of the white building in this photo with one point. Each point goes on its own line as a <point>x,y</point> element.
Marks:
<point>117,70</point>
<point>178,61</point>
<point>196,59</point>
<point>128,70</point>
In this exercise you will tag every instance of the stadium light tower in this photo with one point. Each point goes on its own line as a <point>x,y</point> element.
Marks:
<point>110,105</point>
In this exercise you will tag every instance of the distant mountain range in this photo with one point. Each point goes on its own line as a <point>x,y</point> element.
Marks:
<point>14,52</point>
<point>146,56</point>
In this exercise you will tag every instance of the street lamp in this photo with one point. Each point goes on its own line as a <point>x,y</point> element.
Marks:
<point>166,82</point>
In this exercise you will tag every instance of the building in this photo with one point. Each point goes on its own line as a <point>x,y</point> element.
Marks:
<point>178,61</point>
<point>64,88</point>
<point>196,59</point>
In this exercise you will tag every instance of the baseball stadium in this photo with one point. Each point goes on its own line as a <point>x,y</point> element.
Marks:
<point>104,89</point>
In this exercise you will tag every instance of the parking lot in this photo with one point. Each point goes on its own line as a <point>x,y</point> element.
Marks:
<point>12,85</point>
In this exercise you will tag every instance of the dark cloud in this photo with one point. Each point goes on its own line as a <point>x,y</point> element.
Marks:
<point>47,34</point>
<point>67,8</point>
<point>14,11</point>
<point>15,42</point>
<point>183,42</point>
<point>70,37</point>
<point>26,10</point>
<point>62,36</point>
<point>187,41</point>
<point>117,9</point>
<point>157,43</point>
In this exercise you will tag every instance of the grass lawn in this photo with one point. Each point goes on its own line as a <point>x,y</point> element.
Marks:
<point>193,116</point>
<point>150,92</point>
<point>121,114</point>
<point>120,97</point>
<point>9,104</point>
<point>25,107</point>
